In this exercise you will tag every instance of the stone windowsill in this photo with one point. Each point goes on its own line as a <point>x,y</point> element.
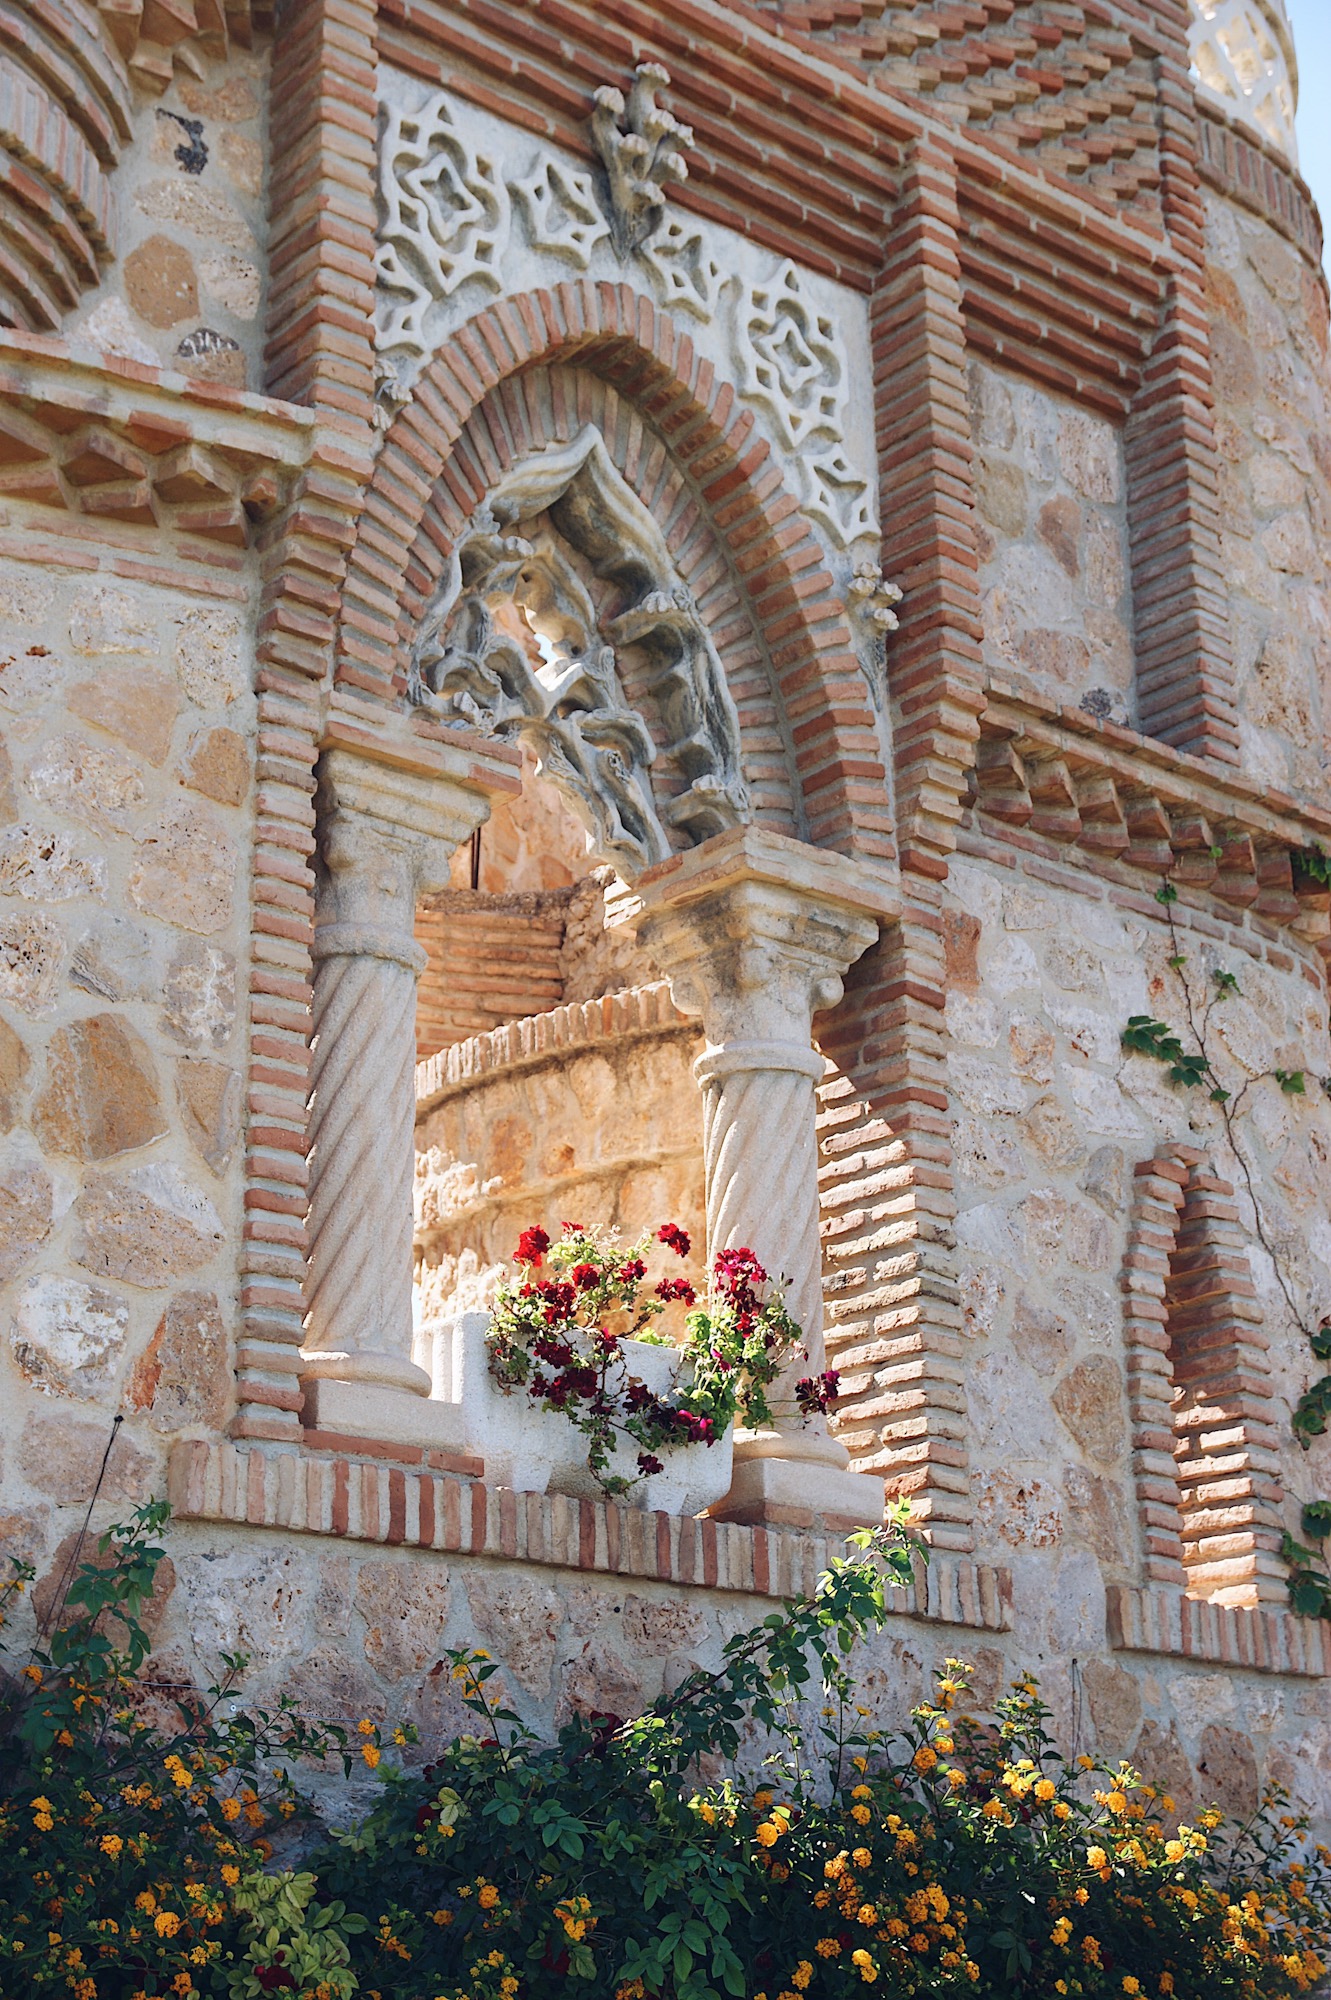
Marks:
<point>366,1500</point>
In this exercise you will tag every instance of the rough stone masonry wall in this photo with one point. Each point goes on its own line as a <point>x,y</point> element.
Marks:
<point>1268,318</point>
<point>1050,1118</point>
<point>186,291</point>
<point>126,744</point>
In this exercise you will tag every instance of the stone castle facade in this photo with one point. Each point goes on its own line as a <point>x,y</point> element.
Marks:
<point>624,611</point>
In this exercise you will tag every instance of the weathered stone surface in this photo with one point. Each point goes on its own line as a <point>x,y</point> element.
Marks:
<point>46,867</point>
<point>199,995</point>
<point>89,781</point>
<point>520,1623</point>
<point>232,282</point>
<point>1161,1758</point>
<point>655,1627</point>
<point>208,658</point>
<point>251,1597</point>
<point>182,1376</point>
<point>108,329</point>
<point>78,1551</point>
<point>601,1682</point>
<point>1089,1399</point>
<point>1227,1769</point>
<point>31,950</point>
<point>234,102</point>
<point>201,210</point>
<point>115,959</point>
<point>243,160</point>
<point>105,619</point>
<point>68,1337</point>
<point>26,1197</point>
<point>8,803</point>
<point>160,281</point>
<point>101,1096</point>
<point>217,764</point>
<point>405,1606</point>
<point>1022,1512</point>
<point>146,1227</point>
<point>137,704</point>
<point>1100,1513</point>
<point>209,1095</point>
<point>211,356</point>
<point>15,1063</point>
<point>1116,1705</point>
<point>61,1455</point>
<point>186,871</point>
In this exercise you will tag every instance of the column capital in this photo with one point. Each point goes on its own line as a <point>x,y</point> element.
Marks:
<point>755,931</point>
<point>386,837</point>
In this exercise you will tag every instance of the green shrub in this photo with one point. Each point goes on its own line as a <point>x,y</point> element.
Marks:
<point>631,1859</point>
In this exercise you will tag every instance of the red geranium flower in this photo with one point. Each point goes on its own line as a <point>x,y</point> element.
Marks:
<point>674,1238</point>
<point>584,1276</point>
<point>676,1288</point>
<point>532,1245</point>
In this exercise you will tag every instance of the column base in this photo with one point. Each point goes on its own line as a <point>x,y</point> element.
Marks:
<point>389,1415</point>
<point>801,1493</point>
<point>368,1367</point>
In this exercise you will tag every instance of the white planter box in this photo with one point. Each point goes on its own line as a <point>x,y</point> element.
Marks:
<point>534,1450</point>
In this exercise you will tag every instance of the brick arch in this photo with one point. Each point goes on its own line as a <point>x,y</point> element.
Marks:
<point>429,477</point>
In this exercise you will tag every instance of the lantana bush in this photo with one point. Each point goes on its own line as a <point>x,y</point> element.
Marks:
<point>750,1835</point>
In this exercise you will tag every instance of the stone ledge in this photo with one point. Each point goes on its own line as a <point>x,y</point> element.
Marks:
<point>358,1500</point>
<point>1161,1620</point>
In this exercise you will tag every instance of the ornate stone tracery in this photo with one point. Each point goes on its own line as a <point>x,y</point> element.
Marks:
<point>1242,57</point>
<point>526,580</point>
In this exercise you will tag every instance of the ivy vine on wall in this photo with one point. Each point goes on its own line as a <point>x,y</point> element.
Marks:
<point>1187,1056</point>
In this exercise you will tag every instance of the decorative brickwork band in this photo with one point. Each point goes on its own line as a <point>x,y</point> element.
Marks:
<point>406,1504</point>
<point>1262,1639</point>
<point>1185,669</point>
<point>1205,1452</point>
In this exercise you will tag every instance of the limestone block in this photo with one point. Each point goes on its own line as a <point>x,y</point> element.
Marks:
<point>101,1096</point>
<point>208,657</point>
<point>61,1455</point>
<point>92,782</point>
<point>116,960</point>
<point>104,619</point>
<point>46,867</point>
<point>243,159</point>
<point>15,1063</point>
<point>183,1375</point>
<point>31,950</point>
<point>217,763</point>
<point>1024,1512</point>
<point>519,1621</point>
<point>186,873</point>
<point>234,102</point>
<point>8,803</point>
<point>26,1197</point>
<point>160,281</point>
<point>201,210</point>
<point>252,1597</point>
<point>405,1608</point>
<point>1100,1513</point>
<point>68,1337</point>
<point>1089,1400</point>
<point>1116,1704</point>
<point>137,704</point>
<point>209,1095</point>
<point>232,281</point>
<point>199,994</point>
<point>26,596</point>
<point>146,1227</point>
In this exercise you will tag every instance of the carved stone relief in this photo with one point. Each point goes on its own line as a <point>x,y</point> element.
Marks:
<point>459,225</point>
<point>561,593</point>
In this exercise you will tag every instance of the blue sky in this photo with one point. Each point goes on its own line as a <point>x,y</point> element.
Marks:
<point>1311,21</point>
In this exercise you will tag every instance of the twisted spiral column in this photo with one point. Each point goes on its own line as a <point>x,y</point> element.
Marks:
<point>362,1160</point>
<point>760,1167</point>
<point>385,838</point>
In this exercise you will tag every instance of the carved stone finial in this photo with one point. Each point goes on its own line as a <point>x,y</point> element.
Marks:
<point>870,598</point>
<point>641,145</point>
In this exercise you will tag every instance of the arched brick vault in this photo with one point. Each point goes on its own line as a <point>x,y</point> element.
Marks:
<point>500,388</point>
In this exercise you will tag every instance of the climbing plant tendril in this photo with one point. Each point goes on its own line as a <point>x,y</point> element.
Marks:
<point>1188,1060</point>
